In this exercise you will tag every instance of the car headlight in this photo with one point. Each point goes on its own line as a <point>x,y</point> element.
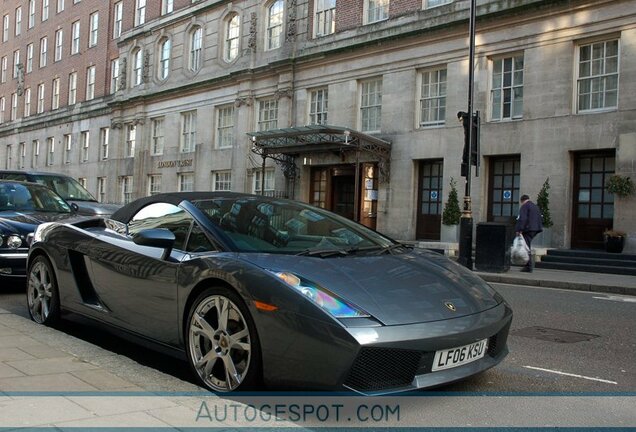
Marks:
<point>327,300</point>
<point>14,241</point>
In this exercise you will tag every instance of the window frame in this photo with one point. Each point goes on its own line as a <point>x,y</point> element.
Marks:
<point>274,41</point>
<point>513,57</point>
<point>603,76</point>
<point>440,119</point>
<point>187,143</point>
<point>329,19</point>
<point>222,136</point>
<point>318,108</point>
<point>376,107</point>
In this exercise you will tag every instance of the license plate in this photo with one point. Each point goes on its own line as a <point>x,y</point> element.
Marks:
<point>454,357</point>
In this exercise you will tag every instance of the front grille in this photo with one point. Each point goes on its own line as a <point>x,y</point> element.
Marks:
<point>497,343</point>
<point>383,368</point>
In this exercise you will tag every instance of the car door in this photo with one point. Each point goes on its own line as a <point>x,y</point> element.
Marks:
<point>138,288</point>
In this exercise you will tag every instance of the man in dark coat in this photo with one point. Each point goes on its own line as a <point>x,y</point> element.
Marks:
<point>529,224</point>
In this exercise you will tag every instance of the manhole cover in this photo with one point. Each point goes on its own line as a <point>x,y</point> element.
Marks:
<point>553,335</point>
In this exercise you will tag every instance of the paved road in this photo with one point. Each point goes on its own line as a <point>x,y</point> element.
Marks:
<point>604,363</point>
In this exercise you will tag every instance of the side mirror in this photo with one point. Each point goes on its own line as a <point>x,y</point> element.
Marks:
<point>156,237</point>
<point>75,208</point>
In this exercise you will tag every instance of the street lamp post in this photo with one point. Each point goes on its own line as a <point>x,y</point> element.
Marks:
<point>466,224</point>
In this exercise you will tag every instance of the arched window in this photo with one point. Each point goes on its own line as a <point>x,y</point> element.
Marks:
<point>137,67</point>
<point>196,42</point>
<point>164,58</point>
<point>275,25</point>
<point>232,35</point>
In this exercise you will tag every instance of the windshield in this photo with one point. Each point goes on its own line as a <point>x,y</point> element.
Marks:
<point>281,226</point>
<point>66,187</point>
<point>30,197</point>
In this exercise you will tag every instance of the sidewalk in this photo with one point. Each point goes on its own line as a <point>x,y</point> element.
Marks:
<point>580,281</point>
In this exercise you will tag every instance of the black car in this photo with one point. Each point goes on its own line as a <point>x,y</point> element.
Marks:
<point>23,206</point>
<point>253,289</point>
<point>66,187</point>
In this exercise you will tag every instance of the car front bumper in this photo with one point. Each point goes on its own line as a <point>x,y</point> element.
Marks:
<point>13,264</point>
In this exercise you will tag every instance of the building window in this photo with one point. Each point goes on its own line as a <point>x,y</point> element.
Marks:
<point>55,101</point>
<point>225,127</point>
<point>40,108</point>
<point>45,10</point>
<point>506,96</point>
<point>157,136</point>
<point>433,3</point>
<point>72,88</point>
<point>5,28</point>
<point>232,38</point>
<point>186,182</point>
<point>318,106</point>
<point>9,162</point>
<point>131,140</point>
<point>267,114</point>
<point>126,188</point>
<point>90,83</point>
<point>433,98</point>
<point>2,108</point>
<point>27,102</point>
<point>22,155</point>
<point>16,62</point>
<point>154,184</point>
<point>18,21</point>
<point>94,29</point>
<point>75,37</point>
<point>371,105</point>
<point>325,19</point>
<point>140,12</point>
<point>59,36</point>
<point>104,138</point>
<point>85,143</point>
<point>50,151</point>
<point>3,69</point>
<point>35,154</point>
<point>114,75</point>
<point>188,131</point>
<point>167,6</point>
<point>29,61</point>
<point>164,58</point>
<point>275,25</point>
<point>118,13</point>
<point>222,181</point>
<point>377,10</point>
<point>597,81</point>
<point>269,180</point>
<point>31,13</point>
<point>83,181</point>
<point>101,189</point>
<point>44,42</point>
<point>60,6</point>
<point>68,148</point>
<point>196,41</point>
<point>14,106</point>
<point>137,67</point>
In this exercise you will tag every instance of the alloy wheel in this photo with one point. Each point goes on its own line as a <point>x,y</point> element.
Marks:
<point>220,343</point>
<point>41,292</point>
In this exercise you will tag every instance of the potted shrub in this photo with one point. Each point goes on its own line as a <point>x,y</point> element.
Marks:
<point>614,241</point>
<point>451,215</point>
<point>620,185</point>
<point>543,202</point>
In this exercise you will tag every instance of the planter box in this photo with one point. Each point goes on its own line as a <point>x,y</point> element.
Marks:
<point>543,239</point>
<point>449,233</point>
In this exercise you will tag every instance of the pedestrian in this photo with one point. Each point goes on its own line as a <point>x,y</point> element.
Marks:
<point>528,225</point>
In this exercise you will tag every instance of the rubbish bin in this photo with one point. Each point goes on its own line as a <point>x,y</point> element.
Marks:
<point>492,248</point>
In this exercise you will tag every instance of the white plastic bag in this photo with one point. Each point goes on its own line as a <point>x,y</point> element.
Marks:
<point>519,252</point>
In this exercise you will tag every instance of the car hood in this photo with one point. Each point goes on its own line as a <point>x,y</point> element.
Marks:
<point>90,208</point>
<point>399,289</point>
<point>26,222</point>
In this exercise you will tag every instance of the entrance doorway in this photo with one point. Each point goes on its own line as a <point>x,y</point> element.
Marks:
<point>429,205</point>
<point>503,189</point>
<point>593,210</point>
<point>343,189</point>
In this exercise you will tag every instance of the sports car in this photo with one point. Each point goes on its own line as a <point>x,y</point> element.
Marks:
<point>264,291</point>
<point>23,206</point>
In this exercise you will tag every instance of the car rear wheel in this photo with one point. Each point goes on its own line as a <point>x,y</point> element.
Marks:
<point>221,341</point>
<point>43,298</point>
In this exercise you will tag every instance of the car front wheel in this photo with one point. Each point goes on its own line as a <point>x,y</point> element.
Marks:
<point>43,299</point>
<point>222,344</point>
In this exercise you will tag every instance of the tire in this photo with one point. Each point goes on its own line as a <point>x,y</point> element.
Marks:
<point>43,297</point>
<point>224,358</point>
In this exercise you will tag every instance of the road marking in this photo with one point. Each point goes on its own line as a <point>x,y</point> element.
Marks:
<point>571,375</point>
<point>618,299</point>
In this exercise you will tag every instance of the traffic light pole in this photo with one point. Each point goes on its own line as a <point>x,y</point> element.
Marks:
<point>466,223</point>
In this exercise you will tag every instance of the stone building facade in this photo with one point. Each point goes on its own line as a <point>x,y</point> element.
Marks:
<point>188,90</point>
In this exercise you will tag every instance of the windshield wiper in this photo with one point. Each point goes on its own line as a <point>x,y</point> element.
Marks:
<point>391,248</point>
<point>322,252</point>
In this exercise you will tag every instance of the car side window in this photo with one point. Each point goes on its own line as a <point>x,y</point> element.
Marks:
<point>13,176</point>
<point>163,215</point>
<point>198,241</point>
